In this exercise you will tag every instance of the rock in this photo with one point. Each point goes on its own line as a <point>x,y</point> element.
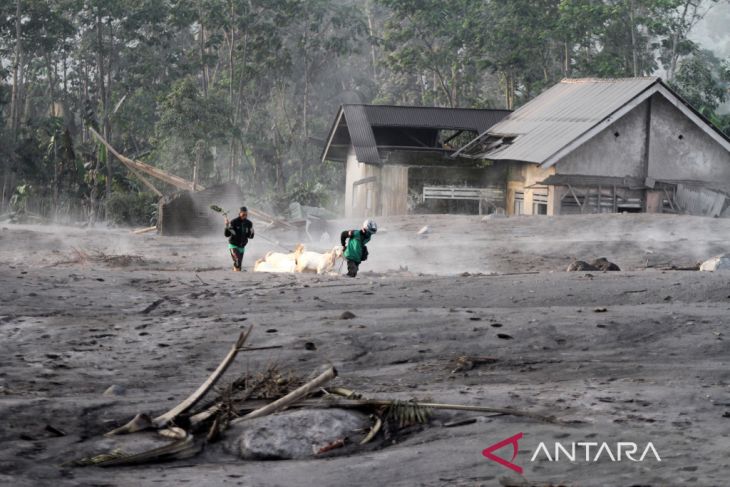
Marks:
<point>347,315</point>
<point>115,390</point>
<point>717,263</point>
<point>295,434</point>
<point>579,265</point>
<point>603,264</point>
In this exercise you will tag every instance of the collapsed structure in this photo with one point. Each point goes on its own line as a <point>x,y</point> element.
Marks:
<point>582,146</point>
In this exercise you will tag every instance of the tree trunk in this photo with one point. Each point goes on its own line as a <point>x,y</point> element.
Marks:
<point>674,57</point>
<point>368,12</point>
<point>203,61</point>
<point>101,79</point>
<point>634,56</point>
<point>13,119</point>
<point>15,96</point>
<point>231,80</point>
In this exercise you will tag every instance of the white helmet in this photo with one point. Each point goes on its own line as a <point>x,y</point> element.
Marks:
<point>370,226</point>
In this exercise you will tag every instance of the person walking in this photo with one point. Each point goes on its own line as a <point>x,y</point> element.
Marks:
<point>239,231</point>
<point>356,251</point>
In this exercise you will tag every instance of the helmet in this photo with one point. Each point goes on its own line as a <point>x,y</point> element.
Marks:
<point>370,226</point>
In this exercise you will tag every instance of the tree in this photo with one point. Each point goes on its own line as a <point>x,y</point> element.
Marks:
<point>190,125</point>
<point>702,80</point>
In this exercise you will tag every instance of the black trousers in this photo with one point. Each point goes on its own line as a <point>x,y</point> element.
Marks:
<point>237,257</point>
<point>352,268</point>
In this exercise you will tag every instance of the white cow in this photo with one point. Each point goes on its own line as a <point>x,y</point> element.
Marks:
<point>321,263</point>
<point>278,261</point>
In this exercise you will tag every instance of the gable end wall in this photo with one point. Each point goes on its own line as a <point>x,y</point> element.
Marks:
<point>608,155</point>
<point>696,156</point>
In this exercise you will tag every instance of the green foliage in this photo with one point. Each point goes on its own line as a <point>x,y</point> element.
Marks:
<point>132,209</point>
<point>702,80</point>
<point>308,193</point>
<point>246,90</point>
<point>193,123</point>
<point>20,197</point>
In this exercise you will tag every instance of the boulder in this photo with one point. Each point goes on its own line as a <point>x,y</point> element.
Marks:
<point>579,265</point>
<point>296,434</point>
<point>717,263</point>
<point>601,264</point>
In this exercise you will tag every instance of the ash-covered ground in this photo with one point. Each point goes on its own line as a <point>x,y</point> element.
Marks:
<point>637,356</point>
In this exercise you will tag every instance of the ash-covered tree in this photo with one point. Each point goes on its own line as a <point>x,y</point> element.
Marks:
<point>189,129</point>
<point>702,79</point>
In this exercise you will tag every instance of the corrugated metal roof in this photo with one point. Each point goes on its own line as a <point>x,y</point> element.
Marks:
<point>477,120</point>
<point>590,180</point>
<point>360,120</point>
<point>361,134</point>
<point>560,115</point>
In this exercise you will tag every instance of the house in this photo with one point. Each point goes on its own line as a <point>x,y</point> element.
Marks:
<point>608,145</point>
<point>397,157</point>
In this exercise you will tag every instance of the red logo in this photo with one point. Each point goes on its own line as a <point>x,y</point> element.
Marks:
<point>487,452</point>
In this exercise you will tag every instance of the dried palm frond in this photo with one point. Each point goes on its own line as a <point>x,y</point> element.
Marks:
<point>407,413</point>
<point>97,459</point>
<point>346,393</point>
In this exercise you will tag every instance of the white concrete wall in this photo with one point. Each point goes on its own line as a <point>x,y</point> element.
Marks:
<point>356,199</point>
<point>608,155</point>
<point>696,156</point>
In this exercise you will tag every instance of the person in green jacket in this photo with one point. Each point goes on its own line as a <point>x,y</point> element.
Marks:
<point>355,251</point>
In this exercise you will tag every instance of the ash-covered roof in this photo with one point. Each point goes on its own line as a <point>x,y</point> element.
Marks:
<point>568,114</point>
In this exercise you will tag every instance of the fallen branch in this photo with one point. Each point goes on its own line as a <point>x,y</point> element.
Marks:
<point>200,417</point>
<point>373,431</point>
<point>359,403</point>
<point>164,419</point>
<point>292,398</point>
<point>138,423</point>
<point>178,450</point>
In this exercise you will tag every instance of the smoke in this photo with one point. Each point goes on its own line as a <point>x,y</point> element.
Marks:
<point>453,244</point>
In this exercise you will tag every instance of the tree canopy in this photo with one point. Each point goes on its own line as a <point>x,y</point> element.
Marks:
<point>245,90</point>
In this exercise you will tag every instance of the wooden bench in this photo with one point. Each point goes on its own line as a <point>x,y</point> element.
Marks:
<point>463,193</point>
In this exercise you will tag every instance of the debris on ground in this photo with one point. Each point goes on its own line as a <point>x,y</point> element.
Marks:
<point>85,257</point>
<point>274,415</point>
<point>717,263</point>
<point>600,264</point>
<point>466,362</point>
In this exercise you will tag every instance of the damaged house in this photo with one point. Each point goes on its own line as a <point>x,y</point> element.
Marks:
<point>609,145</point>
<point>400,157</point>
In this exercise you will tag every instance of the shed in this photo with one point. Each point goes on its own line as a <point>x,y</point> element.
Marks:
<point>607,145</point>
<point>391,153</point>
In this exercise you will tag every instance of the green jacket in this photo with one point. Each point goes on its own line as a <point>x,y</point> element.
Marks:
<point>354,249</point>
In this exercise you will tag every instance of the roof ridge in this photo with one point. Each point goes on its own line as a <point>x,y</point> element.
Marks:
<point>420,106</point>
<point>609,80</point>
